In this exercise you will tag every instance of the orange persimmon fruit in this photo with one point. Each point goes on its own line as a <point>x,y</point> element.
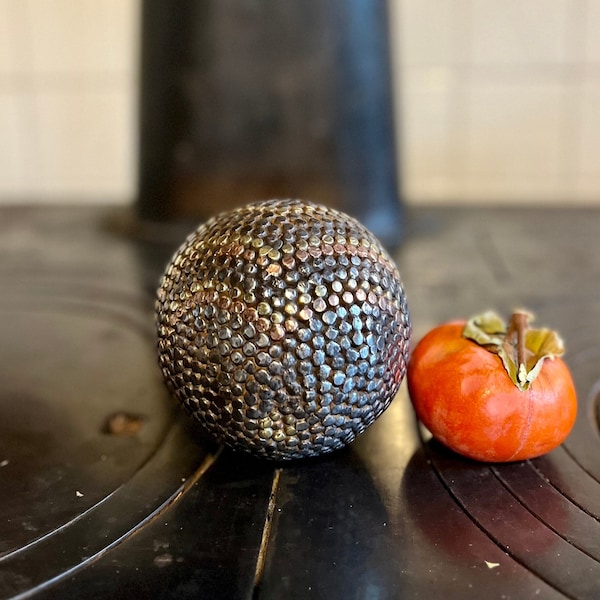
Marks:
<point>492,391</point>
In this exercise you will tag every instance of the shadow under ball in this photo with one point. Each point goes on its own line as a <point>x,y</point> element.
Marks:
<point>283,328</point>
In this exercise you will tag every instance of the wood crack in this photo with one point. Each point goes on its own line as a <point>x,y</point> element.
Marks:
<point>492,257</point>
<point>266,535</point>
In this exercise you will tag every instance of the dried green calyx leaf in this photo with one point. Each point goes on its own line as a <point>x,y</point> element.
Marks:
<point>522,349</point>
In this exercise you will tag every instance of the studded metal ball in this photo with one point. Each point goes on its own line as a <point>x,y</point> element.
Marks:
<point>283,328</point>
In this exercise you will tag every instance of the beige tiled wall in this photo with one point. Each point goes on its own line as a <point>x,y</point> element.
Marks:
<point>67,100</point>
<point>499,100</point>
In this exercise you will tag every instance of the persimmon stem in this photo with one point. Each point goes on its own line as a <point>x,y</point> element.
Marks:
<point>519,322</point>
<point>521,348</point>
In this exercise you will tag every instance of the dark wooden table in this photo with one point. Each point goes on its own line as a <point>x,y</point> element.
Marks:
<point>106,489</point>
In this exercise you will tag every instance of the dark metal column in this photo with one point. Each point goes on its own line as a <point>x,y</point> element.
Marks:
<point>244,100</point>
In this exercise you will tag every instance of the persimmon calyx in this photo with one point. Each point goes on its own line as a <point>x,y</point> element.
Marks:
<point>521,348</point>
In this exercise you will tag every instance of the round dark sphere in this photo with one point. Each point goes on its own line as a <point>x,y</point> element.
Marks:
<point>283,328</point>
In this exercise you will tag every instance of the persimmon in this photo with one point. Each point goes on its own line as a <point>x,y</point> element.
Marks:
<point>493,391</point>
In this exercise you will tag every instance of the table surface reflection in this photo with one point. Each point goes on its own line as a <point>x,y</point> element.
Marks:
<point>152,508</point>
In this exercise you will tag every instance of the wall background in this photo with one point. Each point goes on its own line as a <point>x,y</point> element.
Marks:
<point>499,100</point>
<point>67,100</point>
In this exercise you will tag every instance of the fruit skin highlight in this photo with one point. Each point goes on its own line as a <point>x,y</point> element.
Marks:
<point>463,393</point>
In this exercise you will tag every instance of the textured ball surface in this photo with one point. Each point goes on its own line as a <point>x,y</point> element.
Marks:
<point>283,328</point>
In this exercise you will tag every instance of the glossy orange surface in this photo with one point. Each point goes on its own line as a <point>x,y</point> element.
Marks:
<point>463,395</point>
